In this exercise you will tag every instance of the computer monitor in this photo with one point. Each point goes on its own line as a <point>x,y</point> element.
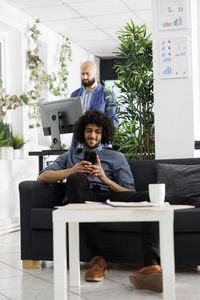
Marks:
<point>58,117</point>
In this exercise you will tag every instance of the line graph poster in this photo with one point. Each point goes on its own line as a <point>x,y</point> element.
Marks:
<point>172,14</point>
<point>173,58</point>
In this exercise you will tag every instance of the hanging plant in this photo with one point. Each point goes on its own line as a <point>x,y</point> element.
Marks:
<point>38,79</point>
<point>35,65</point>
<point>57,84</point>
<point>10,102</point>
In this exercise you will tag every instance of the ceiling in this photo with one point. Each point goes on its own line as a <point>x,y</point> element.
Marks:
<point>90,24</point>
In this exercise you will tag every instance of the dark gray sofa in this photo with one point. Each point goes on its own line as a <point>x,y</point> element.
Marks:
<point>122,241</point>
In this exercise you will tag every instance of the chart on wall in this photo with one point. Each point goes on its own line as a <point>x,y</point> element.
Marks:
<point>173,58</point>
<point>172,14</point>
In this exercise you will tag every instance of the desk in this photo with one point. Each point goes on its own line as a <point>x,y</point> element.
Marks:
<point>73,214</point>
<point>43,153</point>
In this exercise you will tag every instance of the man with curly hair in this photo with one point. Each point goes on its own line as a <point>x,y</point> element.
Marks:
<point>109,177</point>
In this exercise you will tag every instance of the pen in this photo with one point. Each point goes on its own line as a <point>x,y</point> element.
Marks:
<point>94,202</point>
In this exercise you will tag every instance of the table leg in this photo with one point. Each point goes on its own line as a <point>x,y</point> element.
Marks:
<point>60,261</point>
<point>167,256</point>
<point>40,161</point>
<point>74,254</point>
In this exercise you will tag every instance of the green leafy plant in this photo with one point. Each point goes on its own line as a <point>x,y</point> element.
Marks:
<point>6,136</point>
<point>18,142</point>
<point>126,139</point>
<point>134,107</point>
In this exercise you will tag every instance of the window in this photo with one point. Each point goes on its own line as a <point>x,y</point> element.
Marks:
<point>0,63</point>
<point>1,59</point>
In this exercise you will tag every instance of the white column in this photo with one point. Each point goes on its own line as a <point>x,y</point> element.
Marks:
<point>175,100</point>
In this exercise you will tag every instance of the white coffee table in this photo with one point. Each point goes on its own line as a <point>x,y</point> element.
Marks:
<point>73,214</point>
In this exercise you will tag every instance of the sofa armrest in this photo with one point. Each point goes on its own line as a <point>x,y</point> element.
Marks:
<point>35,194</point>
<point>39,194</point>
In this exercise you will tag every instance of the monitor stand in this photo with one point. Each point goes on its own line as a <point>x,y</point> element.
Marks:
<point>55,132</point>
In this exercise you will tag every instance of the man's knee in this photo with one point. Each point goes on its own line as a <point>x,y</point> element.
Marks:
<point>77,187</point>
<point>76,179</point>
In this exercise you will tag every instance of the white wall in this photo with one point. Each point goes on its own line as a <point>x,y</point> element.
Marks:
<point>13,25</point>
<point>78,57</point>
<point>175,101</point>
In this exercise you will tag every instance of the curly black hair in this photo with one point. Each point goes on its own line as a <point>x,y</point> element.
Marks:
<point>98,118</point>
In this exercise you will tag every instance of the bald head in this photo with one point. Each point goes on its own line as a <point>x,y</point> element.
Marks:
<point>89,75</point>
<point>90,65</point>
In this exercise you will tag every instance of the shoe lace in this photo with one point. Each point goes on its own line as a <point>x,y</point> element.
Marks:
<point>96,260</point>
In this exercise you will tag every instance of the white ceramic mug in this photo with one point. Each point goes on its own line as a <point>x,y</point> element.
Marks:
<point>157,193</point>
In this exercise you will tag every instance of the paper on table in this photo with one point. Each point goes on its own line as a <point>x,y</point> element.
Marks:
<point>125,204</point>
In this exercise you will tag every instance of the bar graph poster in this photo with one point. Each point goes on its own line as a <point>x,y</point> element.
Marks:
<point>173,58</point>
<point>172,14</point>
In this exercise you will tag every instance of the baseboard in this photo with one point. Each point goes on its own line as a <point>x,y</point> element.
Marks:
<point>9,225</point>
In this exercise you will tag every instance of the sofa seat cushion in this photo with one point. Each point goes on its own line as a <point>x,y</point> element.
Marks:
<point>187,220</point>
<point>41,218</point>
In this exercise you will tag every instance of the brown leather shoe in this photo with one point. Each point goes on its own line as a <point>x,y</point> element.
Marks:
<point>97,269</point>
<point>148,278</point>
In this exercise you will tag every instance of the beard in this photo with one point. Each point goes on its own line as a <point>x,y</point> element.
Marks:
<point>89,83</point>
<point>94,146</point>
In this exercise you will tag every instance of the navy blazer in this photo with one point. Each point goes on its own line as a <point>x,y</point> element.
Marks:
<point>100,100</point>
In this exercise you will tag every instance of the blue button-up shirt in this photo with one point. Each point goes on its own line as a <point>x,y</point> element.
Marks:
<point>86,98</point>
<point>113,163</point>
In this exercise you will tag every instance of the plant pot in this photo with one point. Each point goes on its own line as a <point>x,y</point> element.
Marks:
<point>6,153</point>
<point>17,154</point>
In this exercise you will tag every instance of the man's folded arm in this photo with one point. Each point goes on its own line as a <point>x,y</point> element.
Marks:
<point>53,176</point>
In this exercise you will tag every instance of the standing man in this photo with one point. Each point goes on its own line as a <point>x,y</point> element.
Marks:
<point>109,177</point>
<point>92,93</point>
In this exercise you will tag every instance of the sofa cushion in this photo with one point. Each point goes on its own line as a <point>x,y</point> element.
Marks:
<point>179,179</point>
<point>144,171</point>
<point>41,218</point>
<point>186,220</point>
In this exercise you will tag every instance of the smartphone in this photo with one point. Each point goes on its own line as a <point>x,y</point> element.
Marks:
<point>90,156</point>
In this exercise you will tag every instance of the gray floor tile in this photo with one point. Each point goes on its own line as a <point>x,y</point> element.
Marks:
<point>3,297</point>
<point>11,259</point>
<point>35,294</point>
<point>9,272</point>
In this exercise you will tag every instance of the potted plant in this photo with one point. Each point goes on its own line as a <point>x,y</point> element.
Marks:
<point>18,143</point>
<point>6,141</point>
<point>135,134</point>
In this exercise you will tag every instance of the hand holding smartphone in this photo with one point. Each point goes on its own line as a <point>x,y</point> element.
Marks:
<point>90,156</point>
